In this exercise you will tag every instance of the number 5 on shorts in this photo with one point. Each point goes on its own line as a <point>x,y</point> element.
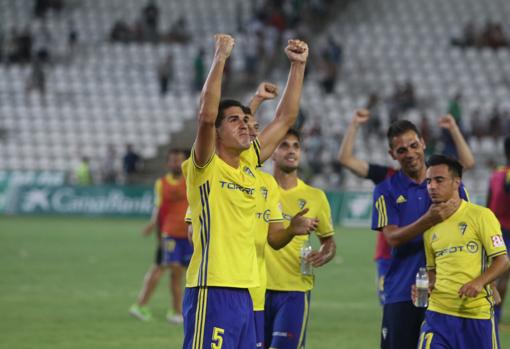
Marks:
<point>217,337</point>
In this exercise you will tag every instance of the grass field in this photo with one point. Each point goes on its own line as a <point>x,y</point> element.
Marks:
<point>68,283</point>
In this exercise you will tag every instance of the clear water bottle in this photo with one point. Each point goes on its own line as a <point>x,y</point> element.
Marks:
<point>422,288</point>
<point>306,249</point>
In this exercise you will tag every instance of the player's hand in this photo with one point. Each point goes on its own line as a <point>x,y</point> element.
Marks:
<point>301,225</point>
<point>414,293</point>
<point>447,122</point>
<point>224,45</point>
<point>360,116</point>
<point>297,51</point>
<point>496,296</point>
<point>266,91</point>
<point>439,211</point>
<point>471,289</point>
<point>317,259</point>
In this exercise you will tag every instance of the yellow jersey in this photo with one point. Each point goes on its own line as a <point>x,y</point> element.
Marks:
<point>222,200</point>
<point>268,211</point>
<point>459,249</point>
<point>283,266</point>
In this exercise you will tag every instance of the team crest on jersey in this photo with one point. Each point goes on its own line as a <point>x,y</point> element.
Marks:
<point>263,191</point>
<point>248,171</point>
<point>462,227</point>
<point>301,203</point>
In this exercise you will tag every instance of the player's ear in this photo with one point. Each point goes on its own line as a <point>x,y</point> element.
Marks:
<point>390,151</point>
<point>423,143</point>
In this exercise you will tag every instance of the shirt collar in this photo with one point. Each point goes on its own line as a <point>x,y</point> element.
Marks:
<point>408,182</point>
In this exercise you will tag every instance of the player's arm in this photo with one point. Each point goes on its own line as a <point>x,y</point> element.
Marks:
<point>466,158</point>
<point>288,108</point>
<point>265,91</point>
<point>498,266</point>
<point>210,100</point>
<point>438,212</point>
<point>345,153</point>
<point>149,228</point>
<point>278,236</point>
<point>325,253</point>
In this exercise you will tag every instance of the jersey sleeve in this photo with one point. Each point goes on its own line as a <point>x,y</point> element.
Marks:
<point>158,193</point>
<point>325,227</point>
<point>429,253</point>
<point>384,210</point>
<point>194,173</point>
<point>490,234</point>
<point>377,173</point>
<point>251,156</point>
<point>273,202</point>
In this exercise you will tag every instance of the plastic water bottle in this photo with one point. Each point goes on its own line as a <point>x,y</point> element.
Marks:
<point>422,288</point>
<point>306,249</point>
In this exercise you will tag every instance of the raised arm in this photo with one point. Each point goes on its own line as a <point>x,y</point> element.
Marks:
<point>288,108</point>
<point>466,158</point>
<point>265,92</point>
<point>210,100</point>
<point>345,154</point>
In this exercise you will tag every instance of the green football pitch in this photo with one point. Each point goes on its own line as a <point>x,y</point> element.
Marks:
<point>67,283</point>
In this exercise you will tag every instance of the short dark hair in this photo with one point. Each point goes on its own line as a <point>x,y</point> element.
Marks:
<point>507,147</point>
<point>294,132</point>
<point>454,166</point>
<point>224,105</point>
<point>400,127</point>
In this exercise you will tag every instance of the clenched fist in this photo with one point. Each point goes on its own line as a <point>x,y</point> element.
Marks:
<point>266,91</point>
<point>224,45</point>
<point>297,51</point>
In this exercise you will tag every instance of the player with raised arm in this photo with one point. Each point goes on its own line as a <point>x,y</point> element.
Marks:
<point>464,254</point>
<point>288,284</point>
<point>402,210</point>
<point>222,182</point>
<point>377,173</point>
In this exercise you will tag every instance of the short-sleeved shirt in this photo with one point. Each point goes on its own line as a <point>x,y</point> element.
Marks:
<point>283,266</point>
<point>459,250</point>
<point>171,202</point>
<point>499,194</point>
<point>377,174</point>
<point>268,211</point>
<point>223,204</point>
<point>400,201</point>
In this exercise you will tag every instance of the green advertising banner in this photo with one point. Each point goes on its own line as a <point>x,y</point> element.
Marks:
<point>11,180</point>
<point>93,200</point>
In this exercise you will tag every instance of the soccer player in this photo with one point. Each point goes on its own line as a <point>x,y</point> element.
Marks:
<point>173,250</point>
<point>221,183</point>
<point>459,251</point>
<point>288,291</point>
<point>403,211</point>
<point>498,200</point>
<point>377,173</point>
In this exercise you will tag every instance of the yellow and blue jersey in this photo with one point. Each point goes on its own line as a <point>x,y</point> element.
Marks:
<point>268,211</point>
<point>283,266</point>
<point>400,201</point>
<point>459,249</point>
<point>223,204</point>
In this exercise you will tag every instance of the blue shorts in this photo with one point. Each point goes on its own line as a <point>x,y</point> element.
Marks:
<point>382,268</point>
<point>441,331</point>
<point>259,328</point>
<point>286,317</point>
<point>401,325</point>
<point>218,317</point>
<point>176,250</point>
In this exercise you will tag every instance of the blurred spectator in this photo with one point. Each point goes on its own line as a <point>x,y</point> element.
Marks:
<point>131,163</point>
<point>374,126</point>
<point>19,46</point>
<point>150,21</point>
<point>454,108</point>
<point>36,80</point>
<point>495,123</point>
<point>72,39</point>
<point>327,73</point>
<point>199,70</point>
<point>493,36</point>
<point>165,74</point>
<point>82,174</point>
<point>121,32</point>
<point>42,43</point>
<point>42,6</point>
<point>478,128</point>
<point>469,36</point>
<point>108,166</point>
<point>179,31</point>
